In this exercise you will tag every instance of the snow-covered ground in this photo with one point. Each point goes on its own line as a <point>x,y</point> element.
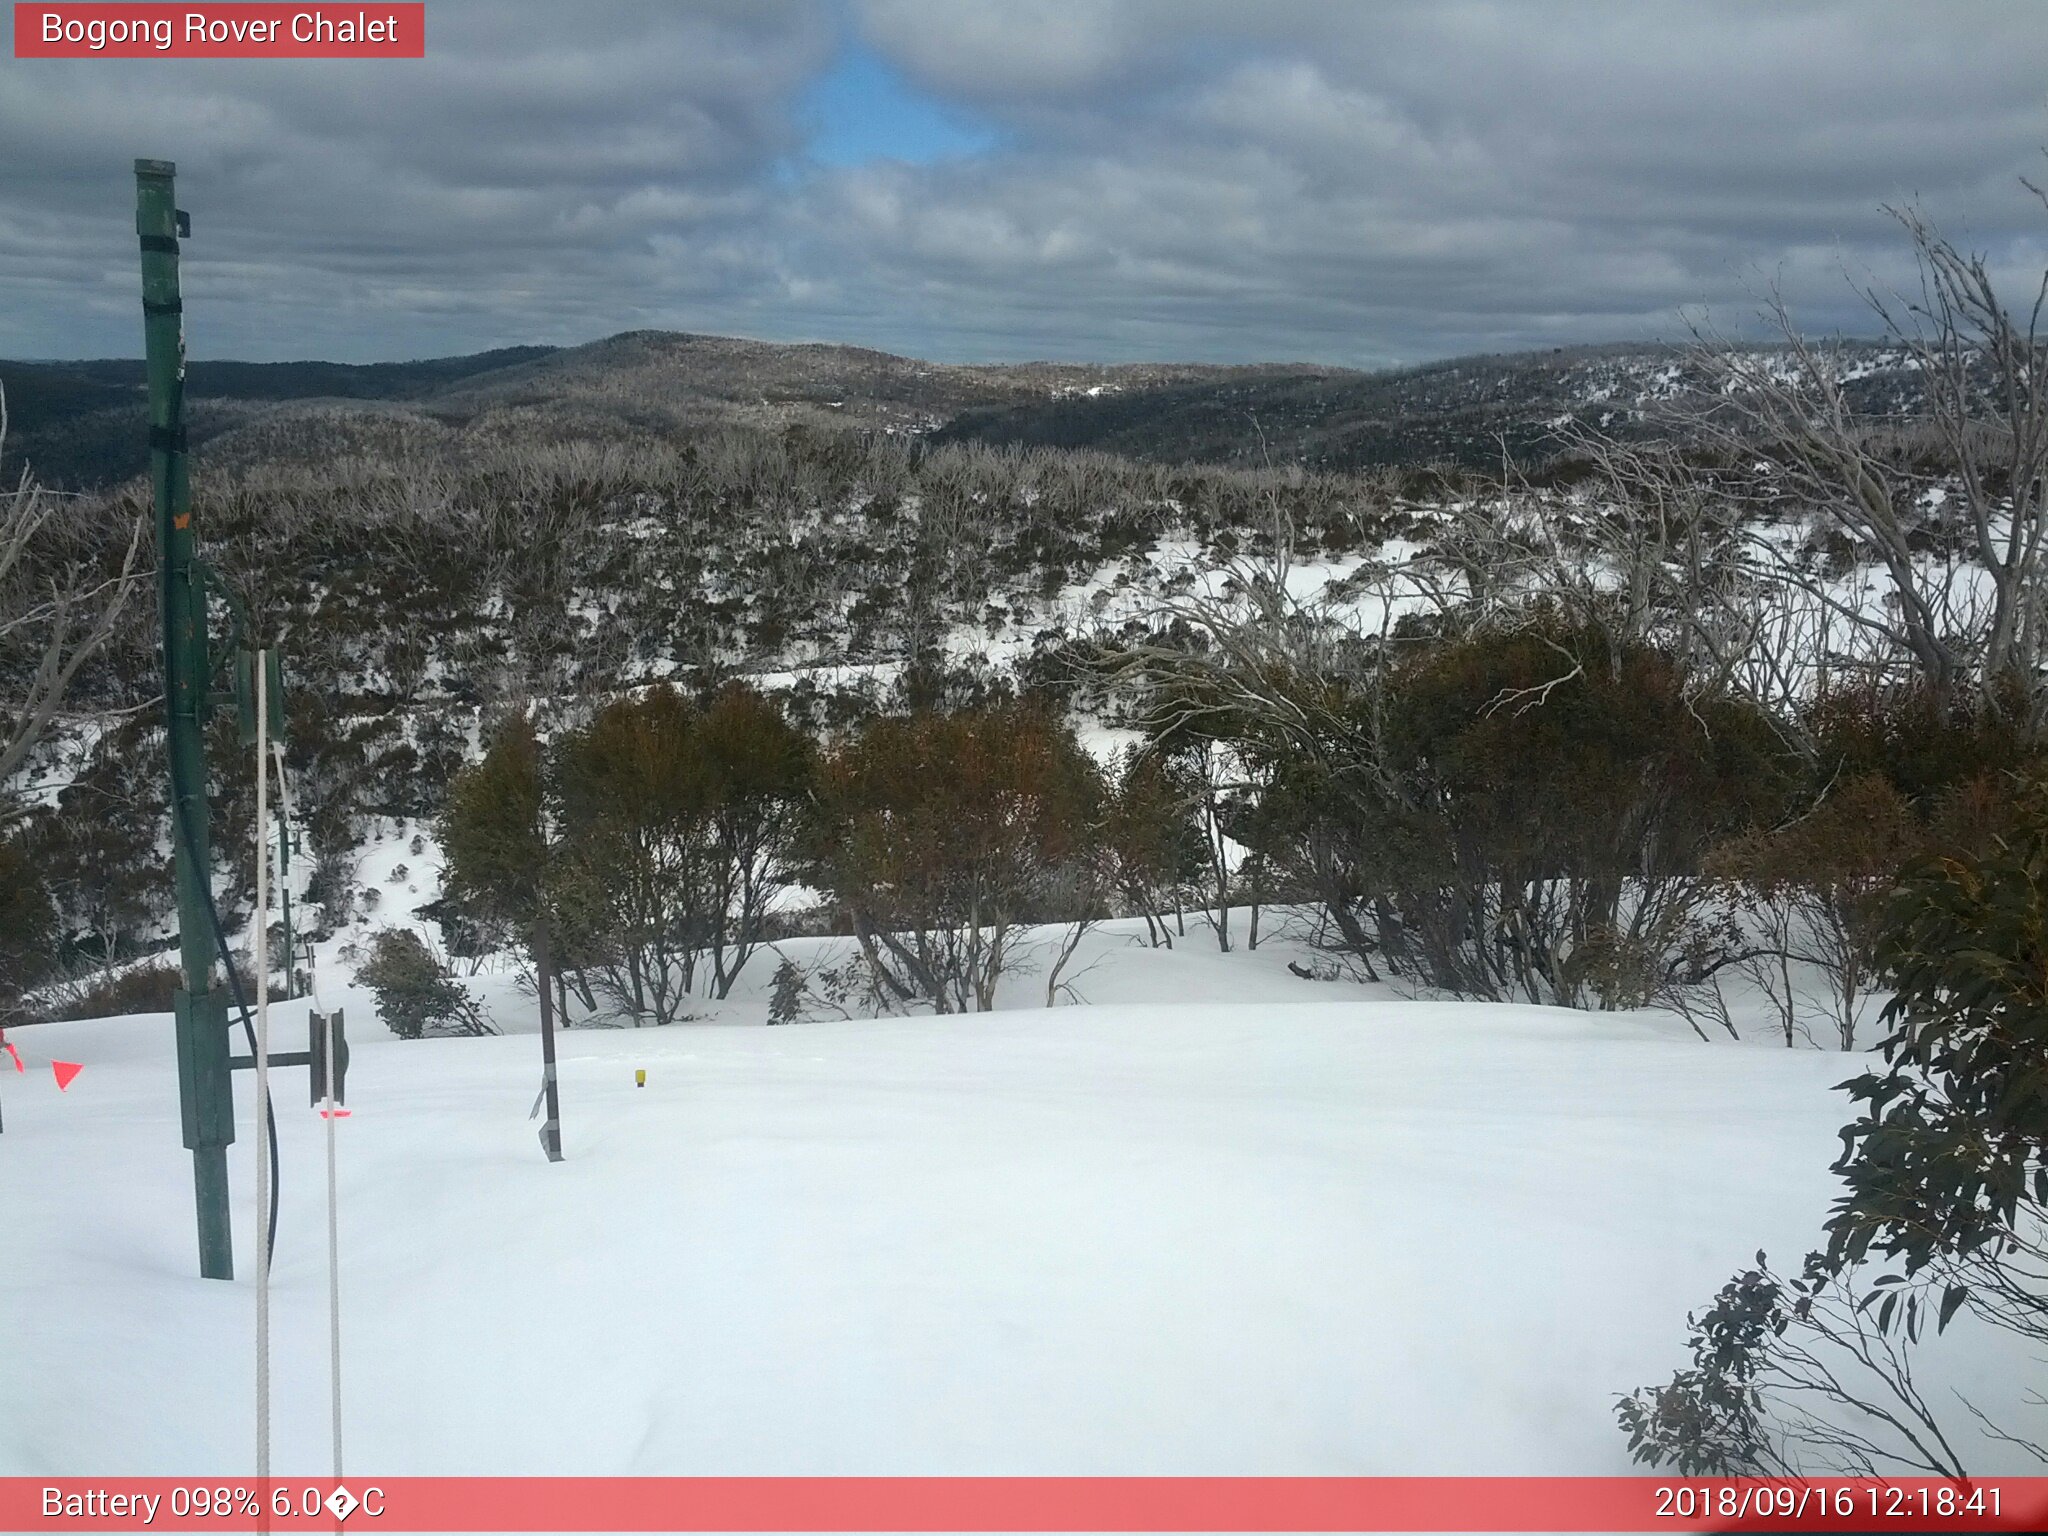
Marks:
<point>1217,1218</point>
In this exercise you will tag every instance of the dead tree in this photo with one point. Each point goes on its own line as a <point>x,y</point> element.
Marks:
<point>1966,619</point>
<point>59,604</point>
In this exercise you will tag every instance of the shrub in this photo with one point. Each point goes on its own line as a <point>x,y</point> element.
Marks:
<point>1945,1177</point>
<point>1947,1168</point>
<point>138,989</point>
<point>1791,1375</point>
<point>786,999</point>
<point>28,924</point>
<point>1149,837</point>
<point>1815,891</point>
<point>415,996</point>
<point>1907,736</point>
<point>1487,807</point>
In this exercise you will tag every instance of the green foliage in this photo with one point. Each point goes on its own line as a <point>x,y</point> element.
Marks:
<point>1794,1375</point>
<point>1925,749</point>
<point>28,922</point>
<point>1848,849</point>
<point>757,761</point>
<point>652,840</point>
<point>1708,1420</point>
<point>1515,812</point>
<point>1562,749</point>
<point>1813,891</point>
<point>415,997</point>
<point>1944,1174</point>
<point>761,769</point>
<point>1147,832</point>
<point>633,795</point>
<point>1947,1156</point>
<point>491,829</point>
<point>786,993</point>
<point>101,845</point>
<point>947,811</point>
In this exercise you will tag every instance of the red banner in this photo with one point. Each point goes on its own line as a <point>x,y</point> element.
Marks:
<point>1006,1504</point>
<point>101,31</point>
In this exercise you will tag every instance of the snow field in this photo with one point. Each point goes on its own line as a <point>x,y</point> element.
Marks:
<point>1218,1219</point>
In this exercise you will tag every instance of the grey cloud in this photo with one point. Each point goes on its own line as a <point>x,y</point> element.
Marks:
<point>1431,171</point>
<point>1172,178</point>
<point>1023,52</point>
<point>513,185</point>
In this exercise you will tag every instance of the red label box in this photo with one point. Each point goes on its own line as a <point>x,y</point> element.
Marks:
<point>147,31</point>
<point>387,1506</point>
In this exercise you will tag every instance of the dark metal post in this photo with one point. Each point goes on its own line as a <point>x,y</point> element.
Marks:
<point>551,1131</point>
<point>206,1097</point>
<point>284,894</point>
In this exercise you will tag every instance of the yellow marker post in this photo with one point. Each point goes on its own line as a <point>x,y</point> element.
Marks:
<point>639,1077</point>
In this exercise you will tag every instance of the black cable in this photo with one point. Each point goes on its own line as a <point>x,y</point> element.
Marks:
<point>234,976</point>
<point>227,960</point>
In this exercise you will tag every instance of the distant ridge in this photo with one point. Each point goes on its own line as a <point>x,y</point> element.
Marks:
<point>81,423</point>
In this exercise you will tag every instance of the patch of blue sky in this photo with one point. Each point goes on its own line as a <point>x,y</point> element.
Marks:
<point>860,110</point>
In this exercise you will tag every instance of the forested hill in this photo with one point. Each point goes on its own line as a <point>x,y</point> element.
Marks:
<point>81,424</point>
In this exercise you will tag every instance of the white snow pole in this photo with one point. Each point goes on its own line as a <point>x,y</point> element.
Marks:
<point>262,966</point>
<point>327,1111</point>
<point>333,1252</point>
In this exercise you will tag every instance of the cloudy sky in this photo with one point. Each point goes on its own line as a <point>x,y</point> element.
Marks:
<point>1363,182</point>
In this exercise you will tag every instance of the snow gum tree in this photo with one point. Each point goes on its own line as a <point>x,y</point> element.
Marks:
<point>761,769</point>
<point>938,834</point>
<point>66,582</point>
<point>506,878</point>
<point>1946,1171</point>
<point>492,831</point>
<point>1201,755</point>
<point>677,822</point>
<point>1151,843</point>
<point>1948,502</point>
<point>636,809</point>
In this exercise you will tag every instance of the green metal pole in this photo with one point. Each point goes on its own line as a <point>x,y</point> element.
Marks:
<point>206,1098</point>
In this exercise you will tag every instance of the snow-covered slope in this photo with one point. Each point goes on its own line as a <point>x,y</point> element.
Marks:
<point>1218,1219</point>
